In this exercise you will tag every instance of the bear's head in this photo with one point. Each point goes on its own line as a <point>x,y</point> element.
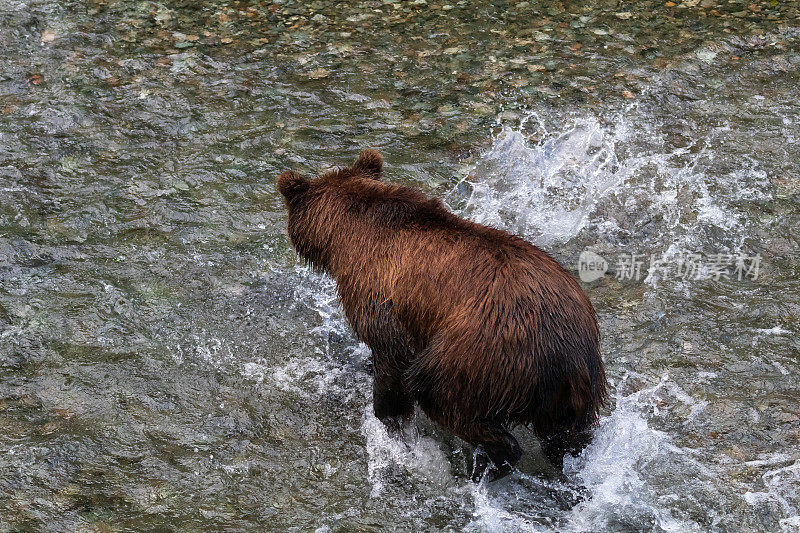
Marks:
<point>316,205</point>
<point>368,165</point>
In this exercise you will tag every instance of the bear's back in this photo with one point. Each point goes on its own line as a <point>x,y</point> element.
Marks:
<point>436,267</point>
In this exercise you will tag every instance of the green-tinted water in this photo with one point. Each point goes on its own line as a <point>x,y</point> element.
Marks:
<point>166,362</point>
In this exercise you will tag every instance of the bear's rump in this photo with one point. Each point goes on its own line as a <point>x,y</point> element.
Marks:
<point>460,378</point>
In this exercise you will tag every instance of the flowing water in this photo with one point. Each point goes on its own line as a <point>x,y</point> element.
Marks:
<point>167,363</point>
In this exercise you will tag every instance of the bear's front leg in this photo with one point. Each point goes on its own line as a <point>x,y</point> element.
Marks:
<point>494,443</point>
<point>391,401</point>
<point>392,352</point>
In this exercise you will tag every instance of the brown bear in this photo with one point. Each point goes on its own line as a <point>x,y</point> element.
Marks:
<point>479,327</point>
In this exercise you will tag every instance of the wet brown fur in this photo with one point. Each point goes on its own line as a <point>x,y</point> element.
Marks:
<point>481,328</point>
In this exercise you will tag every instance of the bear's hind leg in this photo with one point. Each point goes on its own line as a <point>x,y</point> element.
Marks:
<point>494,443</point>
<point>556,445</point>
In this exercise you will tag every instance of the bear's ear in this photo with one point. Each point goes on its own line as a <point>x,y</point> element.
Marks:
<point>291,183</point>
<point>370,162</point>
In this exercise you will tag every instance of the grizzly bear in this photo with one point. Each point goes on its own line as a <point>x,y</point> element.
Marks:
<point>479,327</point>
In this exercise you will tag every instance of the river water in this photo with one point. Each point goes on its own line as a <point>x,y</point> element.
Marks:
<point>167,363</point>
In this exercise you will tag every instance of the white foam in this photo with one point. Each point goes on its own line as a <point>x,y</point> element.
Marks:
<point>489,516</point>
<point>782,369</point>
<point>615,471</point>
<point>773,460</point>
<point>210,350</point>
<point>782,486</point>
<point>777,330</point>
<point>318,292</point>
<point>300,375</point>
<point>255,371</point>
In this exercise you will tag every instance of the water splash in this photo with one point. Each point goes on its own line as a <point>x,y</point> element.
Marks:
<point>413,455</point>
<point>618,178</point>
<point>610,467</point>
<point>546,189</point>
<point>608,487</point>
